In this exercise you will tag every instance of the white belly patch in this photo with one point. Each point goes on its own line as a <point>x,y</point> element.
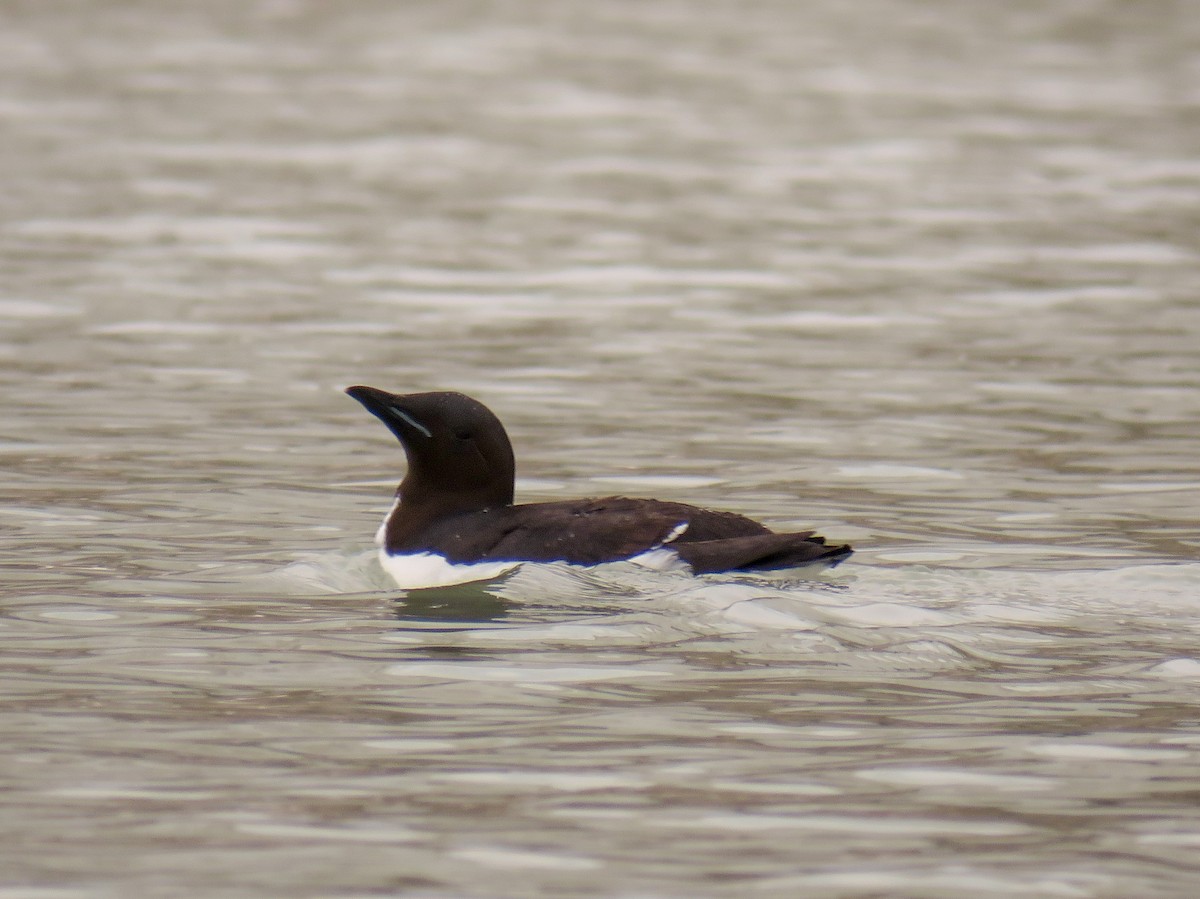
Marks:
<point>416,570</point>
<point>412,571</point>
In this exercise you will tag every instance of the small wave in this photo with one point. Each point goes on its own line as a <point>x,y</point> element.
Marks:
<point>874,621</point>
<point>325,573</point>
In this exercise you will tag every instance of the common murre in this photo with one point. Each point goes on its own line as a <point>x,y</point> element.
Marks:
<point>454,521</point>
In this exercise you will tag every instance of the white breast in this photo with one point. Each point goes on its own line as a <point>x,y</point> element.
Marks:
<point>381,534</point>
<point>413,571</point>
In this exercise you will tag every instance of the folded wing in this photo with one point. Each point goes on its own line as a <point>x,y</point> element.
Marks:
<point>589,532</point>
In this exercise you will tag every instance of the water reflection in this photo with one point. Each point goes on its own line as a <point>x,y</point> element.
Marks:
<point>461,603</point>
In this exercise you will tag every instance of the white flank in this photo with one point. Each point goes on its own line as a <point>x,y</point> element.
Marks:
<point>661,559</point>
<point>417,570</point>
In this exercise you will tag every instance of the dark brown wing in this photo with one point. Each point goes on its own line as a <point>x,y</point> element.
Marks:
<point>592,531</point>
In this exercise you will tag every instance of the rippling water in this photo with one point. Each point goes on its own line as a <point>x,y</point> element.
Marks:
<point>921,275</point>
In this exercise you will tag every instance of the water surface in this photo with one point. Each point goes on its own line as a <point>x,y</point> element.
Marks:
<point>922,276</point>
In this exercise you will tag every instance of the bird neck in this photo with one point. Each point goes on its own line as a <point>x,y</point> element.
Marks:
<point>418,509</point>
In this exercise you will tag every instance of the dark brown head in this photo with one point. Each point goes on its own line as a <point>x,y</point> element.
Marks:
<point>459,456</point>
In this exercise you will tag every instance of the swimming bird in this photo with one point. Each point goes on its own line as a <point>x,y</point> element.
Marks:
<point>454,520</point>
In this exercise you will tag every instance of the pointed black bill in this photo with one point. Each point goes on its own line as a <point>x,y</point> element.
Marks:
<point>389,408</point>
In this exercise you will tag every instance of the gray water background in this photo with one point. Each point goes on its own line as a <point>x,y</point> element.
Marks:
<point>920,274</point>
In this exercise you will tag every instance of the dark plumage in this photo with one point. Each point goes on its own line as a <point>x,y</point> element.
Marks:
<point>456,500</point>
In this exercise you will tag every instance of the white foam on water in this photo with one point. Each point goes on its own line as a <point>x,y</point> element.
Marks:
<point>18,309</point>
<point>322,834</point>
<point>949,777</point>
<point>1181,668</point>
<point>559,781</point>
<point>666,481</point>
<point>886,471</point>
<point>519,860</point>
<point>847,824</point>
<point>565,674</point>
